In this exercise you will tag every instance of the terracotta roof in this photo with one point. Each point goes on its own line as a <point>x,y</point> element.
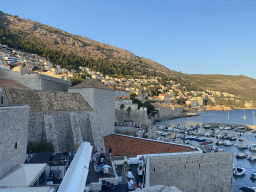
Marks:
<point>91,83</point>
<point>121,143</point>
<point>47,100</point>
<point>11,84</point>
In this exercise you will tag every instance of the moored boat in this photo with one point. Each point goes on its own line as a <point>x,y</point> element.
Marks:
<point>242,146</point>
<point>228,143</point>
<point>252,157</point>
<point>253,176</point>
<point>247,189</point>
<point>239,171</point>
<point>241,155</point>
<point>219,142</point>
<point>253,147</point>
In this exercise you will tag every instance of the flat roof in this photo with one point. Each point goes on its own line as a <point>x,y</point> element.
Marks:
<point>121,144</point>
<point>25,189</point>
<point>23,175</point>
<point>40,158</point>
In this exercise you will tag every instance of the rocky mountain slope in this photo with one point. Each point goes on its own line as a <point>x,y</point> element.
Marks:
<point>81,46</point>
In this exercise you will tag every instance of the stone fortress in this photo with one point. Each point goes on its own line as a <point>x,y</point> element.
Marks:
<point>65,119</point>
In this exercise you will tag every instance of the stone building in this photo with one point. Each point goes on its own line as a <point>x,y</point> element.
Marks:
<point>101,98</point>
<point>34,80</point>
<point>65,119</point>
<point>13,136</point>
<point>127,103</point>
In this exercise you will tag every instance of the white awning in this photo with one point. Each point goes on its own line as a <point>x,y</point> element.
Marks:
<point>26,189</point>
<point>76,176</point>
<point>23,175</point>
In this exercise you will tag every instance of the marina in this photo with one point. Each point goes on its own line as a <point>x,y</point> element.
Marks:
<point>218,131</point>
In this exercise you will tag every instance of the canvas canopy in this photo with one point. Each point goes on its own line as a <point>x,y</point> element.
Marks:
<point>26,189</point>
<point>23,175</point>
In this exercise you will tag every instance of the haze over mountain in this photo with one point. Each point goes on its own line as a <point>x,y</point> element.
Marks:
<point>30,35</point>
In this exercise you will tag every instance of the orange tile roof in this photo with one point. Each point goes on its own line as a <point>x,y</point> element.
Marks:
<point>121,143</point>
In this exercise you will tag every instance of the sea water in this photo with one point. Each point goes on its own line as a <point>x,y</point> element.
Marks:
<point>231,117</point>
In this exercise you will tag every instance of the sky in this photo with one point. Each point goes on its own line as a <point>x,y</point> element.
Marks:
<point>190,36</point>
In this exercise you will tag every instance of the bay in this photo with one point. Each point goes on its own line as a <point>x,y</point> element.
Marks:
<point>225,117</point>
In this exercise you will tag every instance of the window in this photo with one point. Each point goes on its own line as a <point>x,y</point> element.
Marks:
<point>2,100</point>
<point>16,145</point>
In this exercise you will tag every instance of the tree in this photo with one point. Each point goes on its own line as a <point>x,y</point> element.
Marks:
<point>41,147</point>
<point>132,95</point>
<point>122,107</point>
<point>129,110</point>
<point>75,81</point>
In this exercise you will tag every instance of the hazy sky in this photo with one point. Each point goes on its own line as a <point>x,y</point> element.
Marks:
<point>191,36</point>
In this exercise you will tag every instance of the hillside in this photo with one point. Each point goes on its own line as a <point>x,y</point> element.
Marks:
<point>53,38</point>
<point>72,51</point>
<point>239,85</point>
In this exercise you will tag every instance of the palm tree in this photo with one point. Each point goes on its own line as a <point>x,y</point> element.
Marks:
<point>122,107</point>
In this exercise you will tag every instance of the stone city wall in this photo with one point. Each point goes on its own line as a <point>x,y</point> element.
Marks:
<point>168,112</point>
<point>65,129</point>
<point>13,137</point>
<point>137,116</point>
<point>120,93</point>
<point>193,172</point>
<point>37,81</point>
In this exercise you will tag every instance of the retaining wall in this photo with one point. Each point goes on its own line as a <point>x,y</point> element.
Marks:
<point>193,172</point>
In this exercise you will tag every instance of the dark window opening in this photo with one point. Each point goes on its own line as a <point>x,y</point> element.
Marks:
<point>16,145</point>
<point>154,169</point>
<point>2,100</point>
<point>199,166</point>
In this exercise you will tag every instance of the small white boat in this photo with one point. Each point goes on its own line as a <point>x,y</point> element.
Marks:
<point>242,146</point>
<point>248,189</point>
<point>187,142</point>
<point>219,142</point>
<point>253,147</point>
<point>227,128</point>
<point>253,176</point>
<point>207,126</point>
<point>241,155</point>
<point>254,131</point>
<point>252,157</point>
<point>221,128</point>
<point>239,171</point>
<point>240,133</point>
<point>228,143</point>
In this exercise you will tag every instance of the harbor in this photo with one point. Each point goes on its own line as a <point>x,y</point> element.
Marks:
<point>232,133</point>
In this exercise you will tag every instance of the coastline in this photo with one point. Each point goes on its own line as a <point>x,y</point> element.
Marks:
<point>185,114</point>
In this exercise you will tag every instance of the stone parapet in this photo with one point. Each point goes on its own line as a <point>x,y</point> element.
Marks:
<point>193,172</point>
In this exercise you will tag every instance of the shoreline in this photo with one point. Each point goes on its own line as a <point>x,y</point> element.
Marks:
<point>251,127</point>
